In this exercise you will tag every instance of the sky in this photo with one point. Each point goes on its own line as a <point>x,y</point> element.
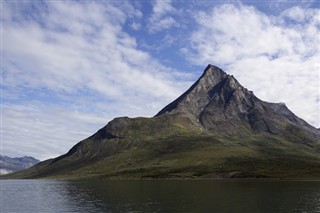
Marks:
<point>70,67</point>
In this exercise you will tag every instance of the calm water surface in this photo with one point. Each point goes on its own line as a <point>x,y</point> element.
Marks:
<point>159,196</point>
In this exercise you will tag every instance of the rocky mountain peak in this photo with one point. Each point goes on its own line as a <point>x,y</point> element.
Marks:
<point>213,81</point>
<point>218,102</point>
<point>212,74</point>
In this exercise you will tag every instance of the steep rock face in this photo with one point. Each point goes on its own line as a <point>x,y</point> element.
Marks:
<point>198,95</point>
<point>221,104</point>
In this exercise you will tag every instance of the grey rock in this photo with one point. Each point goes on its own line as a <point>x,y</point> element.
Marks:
<point>220,104</point>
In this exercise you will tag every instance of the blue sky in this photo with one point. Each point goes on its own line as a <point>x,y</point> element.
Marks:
<point>69,67</point>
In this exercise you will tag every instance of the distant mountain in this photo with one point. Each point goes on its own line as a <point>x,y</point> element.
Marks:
<point>9,165</point>
<point>216,129</point>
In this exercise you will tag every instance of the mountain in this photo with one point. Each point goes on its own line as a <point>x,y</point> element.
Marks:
<point>216,129</point>
<point>9,165</point>
<point>220,104</point>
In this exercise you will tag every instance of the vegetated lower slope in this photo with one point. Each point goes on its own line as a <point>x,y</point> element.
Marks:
<point>215,129</point>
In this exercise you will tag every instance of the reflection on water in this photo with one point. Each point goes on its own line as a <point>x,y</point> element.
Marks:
<point>159,196</point>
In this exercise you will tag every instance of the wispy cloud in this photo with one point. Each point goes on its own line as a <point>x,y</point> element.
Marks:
<point>44,130</point>
<point>275,56</point>
<point>135,25</point>
<point>80,54</point>
<point>161,18</point>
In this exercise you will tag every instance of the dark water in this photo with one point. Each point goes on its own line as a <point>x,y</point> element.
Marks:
<point>159,196</point>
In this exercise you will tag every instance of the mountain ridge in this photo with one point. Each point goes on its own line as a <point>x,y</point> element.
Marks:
<point>9,165</point>
<point>217,90</point>
<point>217,128</point>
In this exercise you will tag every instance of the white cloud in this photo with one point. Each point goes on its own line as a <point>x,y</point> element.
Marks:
<point>295,13</point>
<point>43,130</point>
<point>164,23</point>
<point>276,58</point>
<point>135,25</point>
<point>160,18</point>
<point>77,50</point>
<point>97,56</point>
<point>161,8</point>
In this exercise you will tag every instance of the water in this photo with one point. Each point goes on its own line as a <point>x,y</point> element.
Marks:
<point>159,196</point>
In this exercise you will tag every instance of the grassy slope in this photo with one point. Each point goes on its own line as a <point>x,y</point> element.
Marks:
<point>201,156</point>
<point>177,148</point>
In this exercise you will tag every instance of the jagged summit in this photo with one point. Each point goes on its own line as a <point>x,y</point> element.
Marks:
<point>202,92</point>
<point>220,103</point>
<point>196,95</point>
